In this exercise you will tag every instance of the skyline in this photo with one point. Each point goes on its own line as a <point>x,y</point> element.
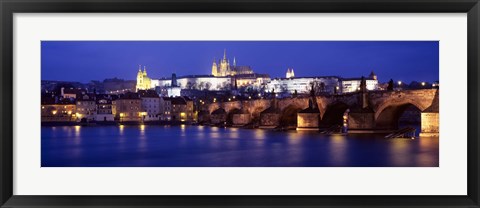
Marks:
<point>99,60</point>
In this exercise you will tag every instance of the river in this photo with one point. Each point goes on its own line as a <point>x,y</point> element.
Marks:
<point>201,146</point>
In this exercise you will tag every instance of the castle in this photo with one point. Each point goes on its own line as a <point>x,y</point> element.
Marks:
<point>223,67</point>
<point>143,81</point>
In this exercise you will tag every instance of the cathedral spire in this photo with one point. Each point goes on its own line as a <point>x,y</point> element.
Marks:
<point>139,67</point>
<point>234,62</point>
<point>224,54</point>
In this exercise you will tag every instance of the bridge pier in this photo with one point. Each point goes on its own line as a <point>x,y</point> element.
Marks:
<point>430,124</point>
<point>241,118</point>
<point>308,121</point>
<point>269,119</point>
<point>218,116</point>
<point>361,120</point>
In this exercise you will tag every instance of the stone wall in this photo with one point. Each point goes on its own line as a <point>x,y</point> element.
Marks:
<point>270,119</point>
<point>241,119</point>
<point>361,121</point>
<point>218,118</point>
<point>308,121</point>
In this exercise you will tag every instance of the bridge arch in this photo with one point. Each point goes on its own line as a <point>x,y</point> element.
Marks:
<point>289,115</point>
<point>334,114</point>
<point>387,116</point>
<point>230,114</point>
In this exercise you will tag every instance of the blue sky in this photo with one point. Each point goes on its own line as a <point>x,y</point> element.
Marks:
<point>97,60</point>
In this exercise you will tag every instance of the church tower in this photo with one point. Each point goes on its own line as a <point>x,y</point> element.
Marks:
<point>373,76</point>
<point>224,65</point>
<point>139,78</point>
<point>143,81</point>
<point>214,68</point>
<point>290,73</point>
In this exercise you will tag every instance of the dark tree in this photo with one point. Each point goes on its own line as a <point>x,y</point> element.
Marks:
<point>390,85</point>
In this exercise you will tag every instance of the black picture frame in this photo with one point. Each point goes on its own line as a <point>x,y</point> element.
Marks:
<point>9,7</point>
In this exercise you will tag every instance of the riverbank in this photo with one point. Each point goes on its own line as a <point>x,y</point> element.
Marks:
<point>113,123</point>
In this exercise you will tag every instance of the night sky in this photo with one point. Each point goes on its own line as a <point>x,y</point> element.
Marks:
<point>97,60</point>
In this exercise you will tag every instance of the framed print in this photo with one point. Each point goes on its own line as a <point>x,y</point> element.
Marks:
<point>264,103</point>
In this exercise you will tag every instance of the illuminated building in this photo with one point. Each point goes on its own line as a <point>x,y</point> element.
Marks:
<point>57,110</point>
<point>253,80</point>
<point>223,68</point>
<point>104,108</point>
<point>86,107</point>
<point>150,105</point>
<point>198,82</point>
<point>128,107</point>
<point>353,84</point>
<point>182,109</point>
<point>290,73</point>
<point>302,85</point>
<point>166,108</point>
<point>143,81</point>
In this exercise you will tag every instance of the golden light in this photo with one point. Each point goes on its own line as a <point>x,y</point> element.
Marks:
<point>77,129</point>
<point>337,87</point>
<point>43,107</point>
<point>233,97</point>
<point>142,127</point>
<point>249,97</point>
<point>423,83</point>
<point>182,114</point>
<point>54,112</point>
<point>121,115</point>
<point>69,112</point>
<point>229,99</point>
<point>399,82</point>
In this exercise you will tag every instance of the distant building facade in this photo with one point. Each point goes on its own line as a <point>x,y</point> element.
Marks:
<point>86,107</point>
<point>57,110</point>
<point>349,85</point>
<point>128,107</point>
<point>104,108</point>
<point>302,85</point>
<point>150,105</point>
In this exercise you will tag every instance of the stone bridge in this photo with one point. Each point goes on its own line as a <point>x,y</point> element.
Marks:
<point>370,110</point>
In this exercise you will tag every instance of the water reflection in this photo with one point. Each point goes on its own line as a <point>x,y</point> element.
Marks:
<point>338,149</point>
<point>201,146</point>
<point>121,127</point>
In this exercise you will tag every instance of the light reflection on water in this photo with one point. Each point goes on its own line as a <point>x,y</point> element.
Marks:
<point>199,146</point>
